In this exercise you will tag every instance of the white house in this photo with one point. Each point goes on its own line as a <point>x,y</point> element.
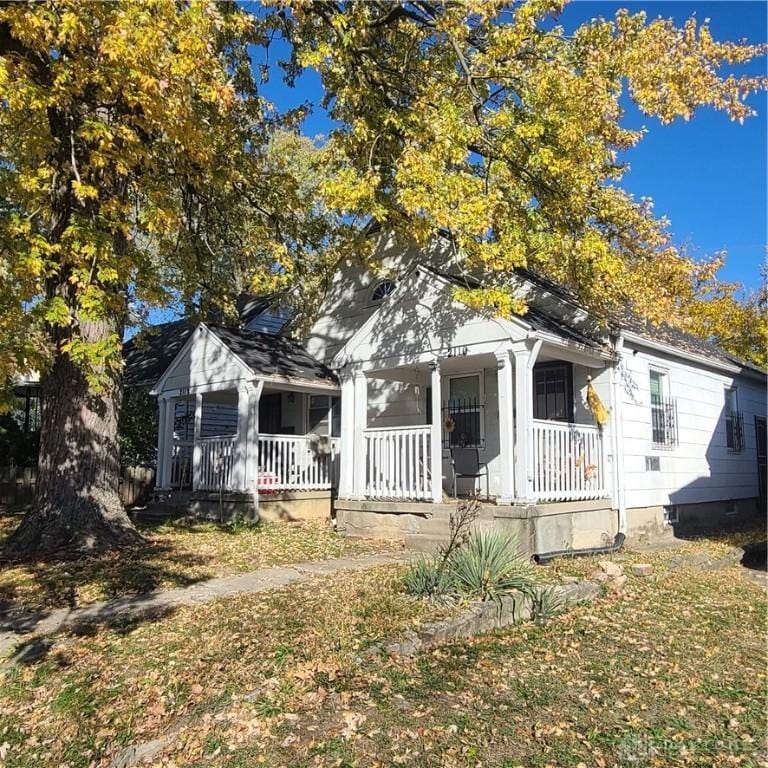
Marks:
<point>399,387</point>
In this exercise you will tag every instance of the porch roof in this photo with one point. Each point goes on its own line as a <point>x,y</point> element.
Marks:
<point>270,355</point>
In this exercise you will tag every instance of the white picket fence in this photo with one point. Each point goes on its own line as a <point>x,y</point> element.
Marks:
<point>568,462</point>
<point>297,462</point>
<point>397,462</point>
<point>216,463</point>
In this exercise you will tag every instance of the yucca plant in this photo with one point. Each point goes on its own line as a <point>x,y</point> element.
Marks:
<point>488,565</point>
<point>428,577</point>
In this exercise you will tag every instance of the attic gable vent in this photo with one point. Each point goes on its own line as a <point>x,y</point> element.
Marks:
<point>381,290</point>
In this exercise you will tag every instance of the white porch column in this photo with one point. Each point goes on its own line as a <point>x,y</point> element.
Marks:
<point>347,438</point>
<point>506,428</point>
<point>525,354</point>
<point>197,452</point>
<point>252,455</point>
<point>436,435</point>
<point>240,464</point>
<point>162,465</point>
<point>360,419</point>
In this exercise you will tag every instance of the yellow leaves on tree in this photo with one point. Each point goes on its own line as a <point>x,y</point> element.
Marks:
<point>483,118</point>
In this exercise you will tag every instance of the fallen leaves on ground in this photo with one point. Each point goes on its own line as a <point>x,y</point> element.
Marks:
<point>175,555</point>
<point>669,672</point>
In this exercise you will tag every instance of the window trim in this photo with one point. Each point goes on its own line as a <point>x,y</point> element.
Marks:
<point>570,401</point>
<point>328,416</point>
<point>480,374</point>
<point>372,301</point>
<point>732,417</point>
<point>671,434</point>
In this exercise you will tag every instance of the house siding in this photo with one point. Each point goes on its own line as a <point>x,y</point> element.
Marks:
<point>700,467</point>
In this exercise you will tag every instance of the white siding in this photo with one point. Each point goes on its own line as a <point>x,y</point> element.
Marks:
<point>700,467</point>
<point>347,304</point>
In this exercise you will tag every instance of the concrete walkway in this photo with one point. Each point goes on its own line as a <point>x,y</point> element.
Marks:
<point>18,624</point>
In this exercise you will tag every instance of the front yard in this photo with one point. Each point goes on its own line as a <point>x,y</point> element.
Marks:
<point>669,672</point>
<point>175,555</point>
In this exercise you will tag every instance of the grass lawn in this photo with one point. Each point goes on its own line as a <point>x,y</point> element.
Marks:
<point>175,555</point>
<point>670,672</point>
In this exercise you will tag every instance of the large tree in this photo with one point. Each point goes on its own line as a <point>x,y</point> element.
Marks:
<point>485,118</point>
<point>140,167</point>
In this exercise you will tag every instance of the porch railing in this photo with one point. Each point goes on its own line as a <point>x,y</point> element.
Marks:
<point>397,462</point>
<point>181,464</point>
<point>297,462</point>
<point>217,461</point>
<point>568,462</point>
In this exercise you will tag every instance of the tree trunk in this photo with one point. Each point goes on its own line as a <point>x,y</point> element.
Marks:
<point>77,507</point>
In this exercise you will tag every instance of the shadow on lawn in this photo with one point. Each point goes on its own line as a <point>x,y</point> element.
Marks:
<point>38,585</point>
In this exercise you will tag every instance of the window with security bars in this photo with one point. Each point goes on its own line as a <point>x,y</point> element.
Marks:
<point>663,412</point>
<point>463,413</point>
<point>734,422</point>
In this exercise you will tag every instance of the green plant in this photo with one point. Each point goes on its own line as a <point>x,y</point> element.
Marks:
<point>489,564</point>
<point>546,603</point>
<point>428,577</point>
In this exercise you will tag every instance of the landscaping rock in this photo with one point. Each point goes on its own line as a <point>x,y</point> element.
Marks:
<point>599,576</point>
<point>617,584</point>
<point>570,579</point>
<point>610,569</point>
<point>482,617</point>
<point>642,569</point>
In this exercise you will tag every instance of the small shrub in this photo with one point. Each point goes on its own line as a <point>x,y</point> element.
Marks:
<point>428,578</point>
<point>488,565</point>
<point>546,604</point>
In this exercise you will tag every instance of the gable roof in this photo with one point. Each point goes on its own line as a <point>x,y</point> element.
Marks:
<point>149,353</point>
<point>270,355</point>
<point>537,318</point>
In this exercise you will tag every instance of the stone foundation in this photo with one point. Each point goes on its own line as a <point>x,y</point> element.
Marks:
<point>646,524</point>
<point>273,507</point>
<point>539,528</point>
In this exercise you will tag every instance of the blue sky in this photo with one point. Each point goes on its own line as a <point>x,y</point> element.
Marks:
<point>707,176</point>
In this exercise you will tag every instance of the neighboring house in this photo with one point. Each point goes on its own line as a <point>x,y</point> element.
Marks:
<point>399,384</point>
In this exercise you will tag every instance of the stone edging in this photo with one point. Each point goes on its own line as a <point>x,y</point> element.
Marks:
<point>481,617</point>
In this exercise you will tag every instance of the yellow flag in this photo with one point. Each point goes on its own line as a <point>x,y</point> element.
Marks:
<point>599,412</point>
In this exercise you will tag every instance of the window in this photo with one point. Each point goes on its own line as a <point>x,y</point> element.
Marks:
<point>553,391</point>
<point>671,515</point>
<point>652,464</point>
<point>734,422</point>
<point>462,415</point>
<point>663,412</point>
<point>324,411</point>
<point>381,290</point>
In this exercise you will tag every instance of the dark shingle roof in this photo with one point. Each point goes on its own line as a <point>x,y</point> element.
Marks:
<point>150,352</point>
<point>628,321</point>
<point>272,355</point>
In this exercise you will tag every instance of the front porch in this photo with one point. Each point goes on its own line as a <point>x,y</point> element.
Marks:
<point>247,421</point>
<point>483,409</point>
